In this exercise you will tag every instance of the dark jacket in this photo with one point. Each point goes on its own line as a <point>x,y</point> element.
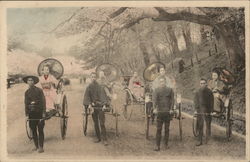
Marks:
<point>204,100</point>
<point>34,101</point>
<point>163,99</point>
<point>94,95</point>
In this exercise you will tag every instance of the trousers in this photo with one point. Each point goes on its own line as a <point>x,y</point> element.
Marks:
<point>37,127</point>
<point>99,119</point>
<point>200,120</point>
<point>162,118</point>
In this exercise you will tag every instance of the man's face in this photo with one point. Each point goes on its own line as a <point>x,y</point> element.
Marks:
<point>215,76</point>
<point>162,71</point>
<point>46,70</point>
<point>162,83</point>
<point>203,83</point>
<point>93,77</point>
<point>30,82</point>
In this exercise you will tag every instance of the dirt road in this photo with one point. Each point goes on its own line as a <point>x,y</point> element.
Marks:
<point>130,144</point>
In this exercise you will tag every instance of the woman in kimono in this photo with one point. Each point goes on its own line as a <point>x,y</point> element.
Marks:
<point>48,84</point>
<point>136,86</point>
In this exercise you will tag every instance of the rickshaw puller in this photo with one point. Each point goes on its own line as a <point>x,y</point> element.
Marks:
<point>95,97</point>
<point>163,101</point>
<point>35,108</point>
<point>203,103</point>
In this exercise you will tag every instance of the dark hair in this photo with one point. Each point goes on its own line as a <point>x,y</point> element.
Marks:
<point>203,79</point>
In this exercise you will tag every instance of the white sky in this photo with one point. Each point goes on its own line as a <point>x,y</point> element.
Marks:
<point>31,22</point>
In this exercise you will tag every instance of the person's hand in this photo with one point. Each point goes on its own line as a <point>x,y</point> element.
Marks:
<point>214,91</point>
<point>155,111</point>
<point>103,107</point>
<point>44,115</point>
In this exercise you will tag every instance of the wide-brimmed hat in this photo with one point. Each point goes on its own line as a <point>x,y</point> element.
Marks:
<point>36,79</point>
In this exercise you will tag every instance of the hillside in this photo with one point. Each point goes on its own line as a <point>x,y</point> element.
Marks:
<point>188,82</point>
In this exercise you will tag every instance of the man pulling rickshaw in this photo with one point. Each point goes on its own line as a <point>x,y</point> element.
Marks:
<point>48,101</point>
<point>35,109</point>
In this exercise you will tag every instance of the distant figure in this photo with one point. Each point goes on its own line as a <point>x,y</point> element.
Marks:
<point>163,103</point>
<point>181,66</point>
<point>203,104</point>
<point>136,86</point>
<point>48,84</point>
<point>35,109</point>
<point>8,83</point>
<point>80,80</point>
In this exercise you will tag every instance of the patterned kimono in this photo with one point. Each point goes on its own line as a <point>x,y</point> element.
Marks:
<point>46,83</point>
<point>135,85</point>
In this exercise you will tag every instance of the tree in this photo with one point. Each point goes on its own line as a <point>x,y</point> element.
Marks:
<point>228,21</point>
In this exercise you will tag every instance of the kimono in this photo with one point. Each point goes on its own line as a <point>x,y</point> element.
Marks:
<point>46,83</point>
<point>217,87</point>
<point>136,87</point>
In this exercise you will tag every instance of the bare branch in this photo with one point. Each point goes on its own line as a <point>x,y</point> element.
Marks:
<point>186,16</point>
<point>117,12</point>
<point>65,21</point>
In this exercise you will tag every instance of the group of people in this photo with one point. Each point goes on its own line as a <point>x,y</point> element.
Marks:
<point>98,96</point>
<point>208,99</point>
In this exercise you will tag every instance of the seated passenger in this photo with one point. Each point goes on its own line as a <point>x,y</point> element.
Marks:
<point>136,86</point>
<point>217,88</point>
<point>170,82</point>
<point>106,85</point>
<point>48,84</point>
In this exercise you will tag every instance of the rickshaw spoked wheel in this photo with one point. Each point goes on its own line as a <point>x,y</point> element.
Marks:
<point>195,124</point>
<point>64,118</point>
<point>28,130</point>
<point>127,110</point>
<point>229,121</point>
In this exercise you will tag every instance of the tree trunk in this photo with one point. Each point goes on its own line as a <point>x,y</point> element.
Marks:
<point>187,37</point>
<point>144,52</point>
<point>235,53</point>
<point>173,39</point>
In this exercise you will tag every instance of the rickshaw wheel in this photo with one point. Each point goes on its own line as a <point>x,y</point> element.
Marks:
<point>64,118</point>
<point>127,111</point>
<point>28,130</point>
<point>180,121</point>
<point>195,124</point>
<point>83,124</point>
<point>148,116</point>
<point>229,121</point>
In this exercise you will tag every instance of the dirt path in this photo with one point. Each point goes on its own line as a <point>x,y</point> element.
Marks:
<point>131,142</point>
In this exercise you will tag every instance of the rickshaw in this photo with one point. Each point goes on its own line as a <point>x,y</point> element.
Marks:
<point>61,106</point>
<point>226,112</point>
<point>111,74</point>
<point>150,74</point>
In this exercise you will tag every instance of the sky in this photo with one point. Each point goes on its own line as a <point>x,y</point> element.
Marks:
<point>31,23</point>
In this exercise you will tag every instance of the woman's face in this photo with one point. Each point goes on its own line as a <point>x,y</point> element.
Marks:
<point>46,70</point>
<point>162,71</point>
<point>215,76</point>
<point>101,74</point>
